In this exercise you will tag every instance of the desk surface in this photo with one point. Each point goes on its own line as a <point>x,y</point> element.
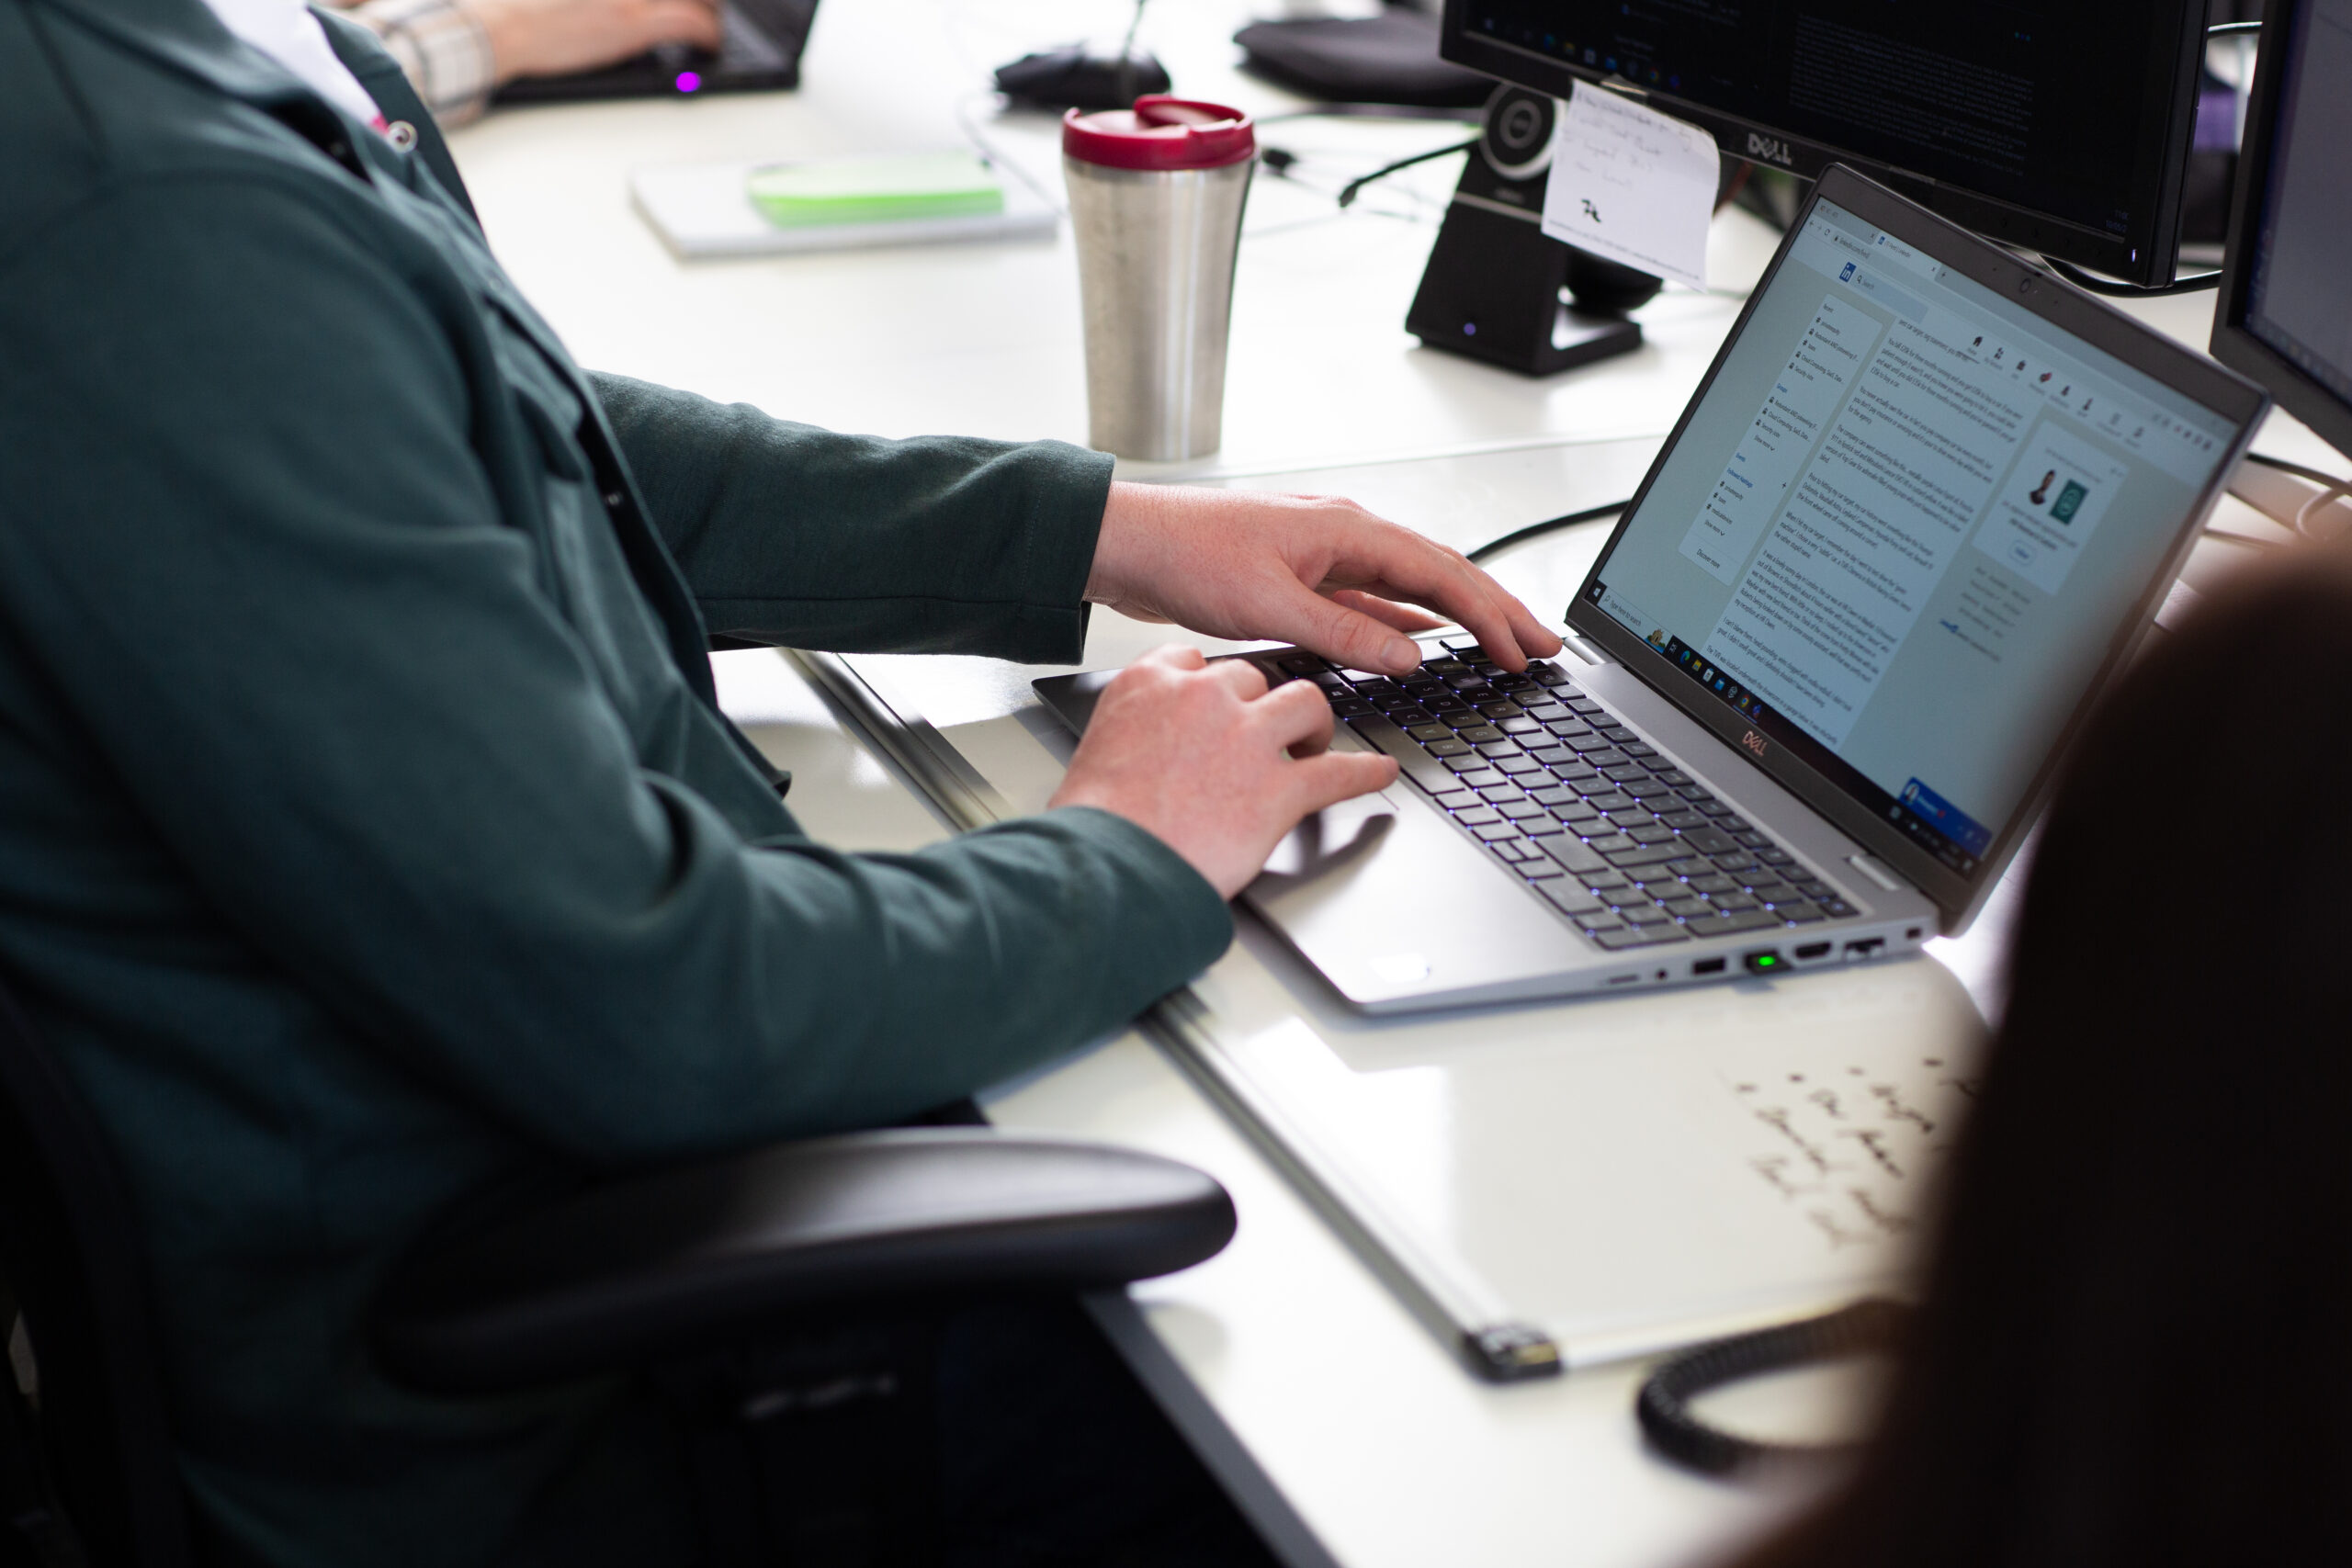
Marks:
<point>1332,1410</point>
<point>984,339</point>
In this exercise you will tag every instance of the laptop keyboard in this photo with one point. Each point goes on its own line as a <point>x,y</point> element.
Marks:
<point>1628,847</point>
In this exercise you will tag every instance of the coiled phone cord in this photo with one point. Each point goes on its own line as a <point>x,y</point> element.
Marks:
<point>1663,1405</point>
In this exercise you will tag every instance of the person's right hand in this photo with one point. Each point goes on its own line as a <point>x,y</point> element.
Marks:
<point>1213,764</point>
<point>553,38</point>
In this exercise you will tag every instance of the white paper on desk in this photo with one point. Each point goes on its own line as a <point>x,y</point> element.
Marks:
<point>1631,185</point>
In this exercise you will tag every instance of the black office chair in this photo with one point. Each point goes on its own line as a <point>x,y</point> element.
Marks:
<point>783,1302</point>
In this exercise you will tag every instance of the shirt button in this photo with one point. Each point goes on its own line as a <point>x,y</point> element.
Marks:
<point>612,500</point>
<point>401,134</point>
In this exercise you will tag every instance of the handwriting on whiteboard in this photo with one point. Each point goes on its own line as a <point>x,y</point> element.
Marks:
<point>1853,1148</point>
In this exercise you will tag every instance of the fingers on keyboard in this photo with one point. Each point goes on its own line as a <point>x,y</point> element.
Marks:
<point>1622,842</point>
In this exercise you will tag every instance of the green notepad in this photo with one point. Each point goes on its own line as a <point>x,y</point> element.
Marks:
<point>875,190</point>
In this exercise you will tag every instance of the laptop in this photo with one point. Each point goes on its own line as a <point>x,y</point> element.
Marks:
<point>760,45</point>
<point>1921,509</point>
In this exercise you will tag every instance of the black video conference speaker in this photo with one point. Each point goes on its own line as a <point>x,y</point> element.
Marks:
<point>1492,289</point>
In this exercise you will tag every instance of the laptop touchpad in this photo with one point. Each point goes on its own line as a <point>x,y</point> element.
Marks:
<point>1332,836</point>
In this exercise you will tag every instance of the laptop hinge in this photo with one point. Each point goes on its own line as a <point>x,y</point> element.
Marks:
<point>1572,643</point>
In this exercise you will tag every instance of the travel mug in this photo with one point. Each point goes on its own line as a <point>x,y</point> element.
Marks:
<point>1155,199</point>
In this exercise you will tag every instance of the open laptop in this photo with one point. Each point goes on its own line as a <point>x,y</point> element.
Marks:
<point>760,45</point>
<point>1917,516</point>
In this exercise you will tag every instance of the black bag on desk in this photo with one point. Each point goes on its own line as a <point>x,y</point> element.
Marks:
<point>1389,59</point>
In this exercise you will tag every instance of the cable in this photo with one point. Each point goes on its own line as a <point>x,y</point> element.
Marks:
<point>1494,547</point>
<point>2332,488</point>
<point>1664,1408</point>
<point>2335,488</point>
<point>2340,489</point>
<point>1376,111</point>
<point>995,155</point>
<point>1347,191</point>
<point>2315,475</point>
<point>1127,47</point>
<point>2091,284</point>
<point>2221,30</point>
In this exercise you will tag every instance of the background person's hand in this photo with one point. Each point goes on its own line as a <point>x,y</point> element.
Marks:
<point>1206,759</point>
<point>1314,571</point>
<point>553,38</point>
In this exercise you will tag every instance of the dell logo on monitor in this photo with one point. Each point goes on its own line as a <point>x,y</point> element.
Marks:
<point>1770,148</point>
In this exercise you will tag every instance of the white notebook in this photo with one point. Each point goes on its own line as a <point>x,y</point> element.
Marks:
<point>702,211</point>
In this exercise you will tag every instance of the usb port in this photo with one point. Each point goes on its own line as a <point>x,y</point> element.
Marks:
<point>1709,966</point>
<point>1867,947</point>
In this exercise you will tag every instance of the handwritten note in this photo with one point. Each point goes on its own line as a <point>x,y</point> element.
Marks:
<point>1853,1148</point>
<point>1631,185</point>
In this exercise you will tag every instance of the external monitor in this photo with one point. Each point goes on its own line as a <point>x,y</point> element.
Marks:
<point>2060,128</point>
<point>2285,315</point>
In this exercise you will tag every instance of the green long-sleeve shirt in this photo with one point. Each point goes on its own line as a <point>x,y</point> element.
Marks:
<point>367,835</point>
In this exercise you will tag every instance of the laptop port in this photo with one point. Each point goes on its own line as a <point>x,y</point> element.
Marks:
<point>1866,948</point>
<point>1709,966</point>
<point>1764,961</point>
<point>1814,950</point>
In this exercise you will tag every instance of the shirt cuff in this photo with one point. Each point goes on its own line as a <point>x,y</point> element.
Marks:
<point>1065,527</point>
<point>1189,925</point>
<point>443,50</point>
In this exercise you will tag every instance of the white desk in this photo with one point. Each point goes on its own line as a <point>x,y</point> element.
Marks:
<point>984,340</point>
<point>1332,1411</point>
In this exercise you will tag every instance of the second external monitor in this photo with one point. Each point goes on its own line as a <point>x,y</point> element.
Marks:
<point>2063,129</point>
<point>2285,316</point>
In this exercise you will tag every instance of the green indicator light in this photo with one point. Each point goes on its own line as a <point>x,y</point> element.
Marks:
<point>1766,961</point>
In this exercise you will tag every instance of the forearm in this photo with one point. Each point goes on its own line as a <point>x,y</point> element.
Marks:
<point>794,991</point>
<point>794,535</point>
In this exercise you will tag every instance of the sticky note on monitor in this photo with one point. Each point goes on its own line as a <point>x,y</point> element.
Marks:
<point>1631,184</point>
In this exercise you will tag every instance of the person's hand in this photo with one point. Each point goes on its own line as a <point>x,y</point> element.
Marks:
<point>1317,571</point>
<point>1210,762</point>
<point>553,38</point>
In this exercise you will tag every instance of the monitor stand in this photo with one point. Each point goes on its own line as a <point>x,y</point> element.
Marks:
<point>1493,289</point>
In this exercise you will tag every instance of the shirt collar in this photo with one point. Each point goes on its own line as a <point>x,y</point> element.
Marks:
<point>289,31</point>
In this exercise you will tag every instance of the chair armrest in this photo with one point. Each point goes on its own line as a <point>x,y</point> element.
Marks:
<point>635,1268</point>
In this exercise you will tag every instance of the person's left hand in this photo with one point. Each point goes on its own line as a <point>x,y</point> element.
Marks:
<point>1314,571</point>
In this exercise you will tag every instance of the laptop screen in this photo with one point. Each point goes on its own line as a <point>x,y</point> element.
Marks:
<point>1901,528</point>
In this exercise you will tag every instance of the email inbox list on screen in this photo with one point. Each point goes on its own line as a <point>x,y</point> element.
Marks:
<point>1904,517</point>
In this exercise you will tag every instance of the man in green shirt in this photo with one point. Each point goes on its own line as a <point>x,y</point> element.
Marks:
<point>371,837</point>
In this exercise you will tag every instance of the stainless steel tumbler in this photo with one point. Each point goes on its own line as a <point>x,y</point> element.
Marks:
<point>1156,194</point>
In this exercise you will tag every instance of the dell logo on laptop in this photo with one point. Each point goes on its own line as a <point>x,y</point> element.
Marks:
<point>1753,741</point>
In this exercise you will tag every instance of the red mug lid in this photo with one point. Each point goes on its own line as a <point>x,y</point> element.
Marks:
<point>1160,132</point>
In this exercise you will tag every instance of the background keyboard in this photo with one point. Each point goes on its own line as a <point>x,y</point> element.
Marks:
<point>1626,846</point>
